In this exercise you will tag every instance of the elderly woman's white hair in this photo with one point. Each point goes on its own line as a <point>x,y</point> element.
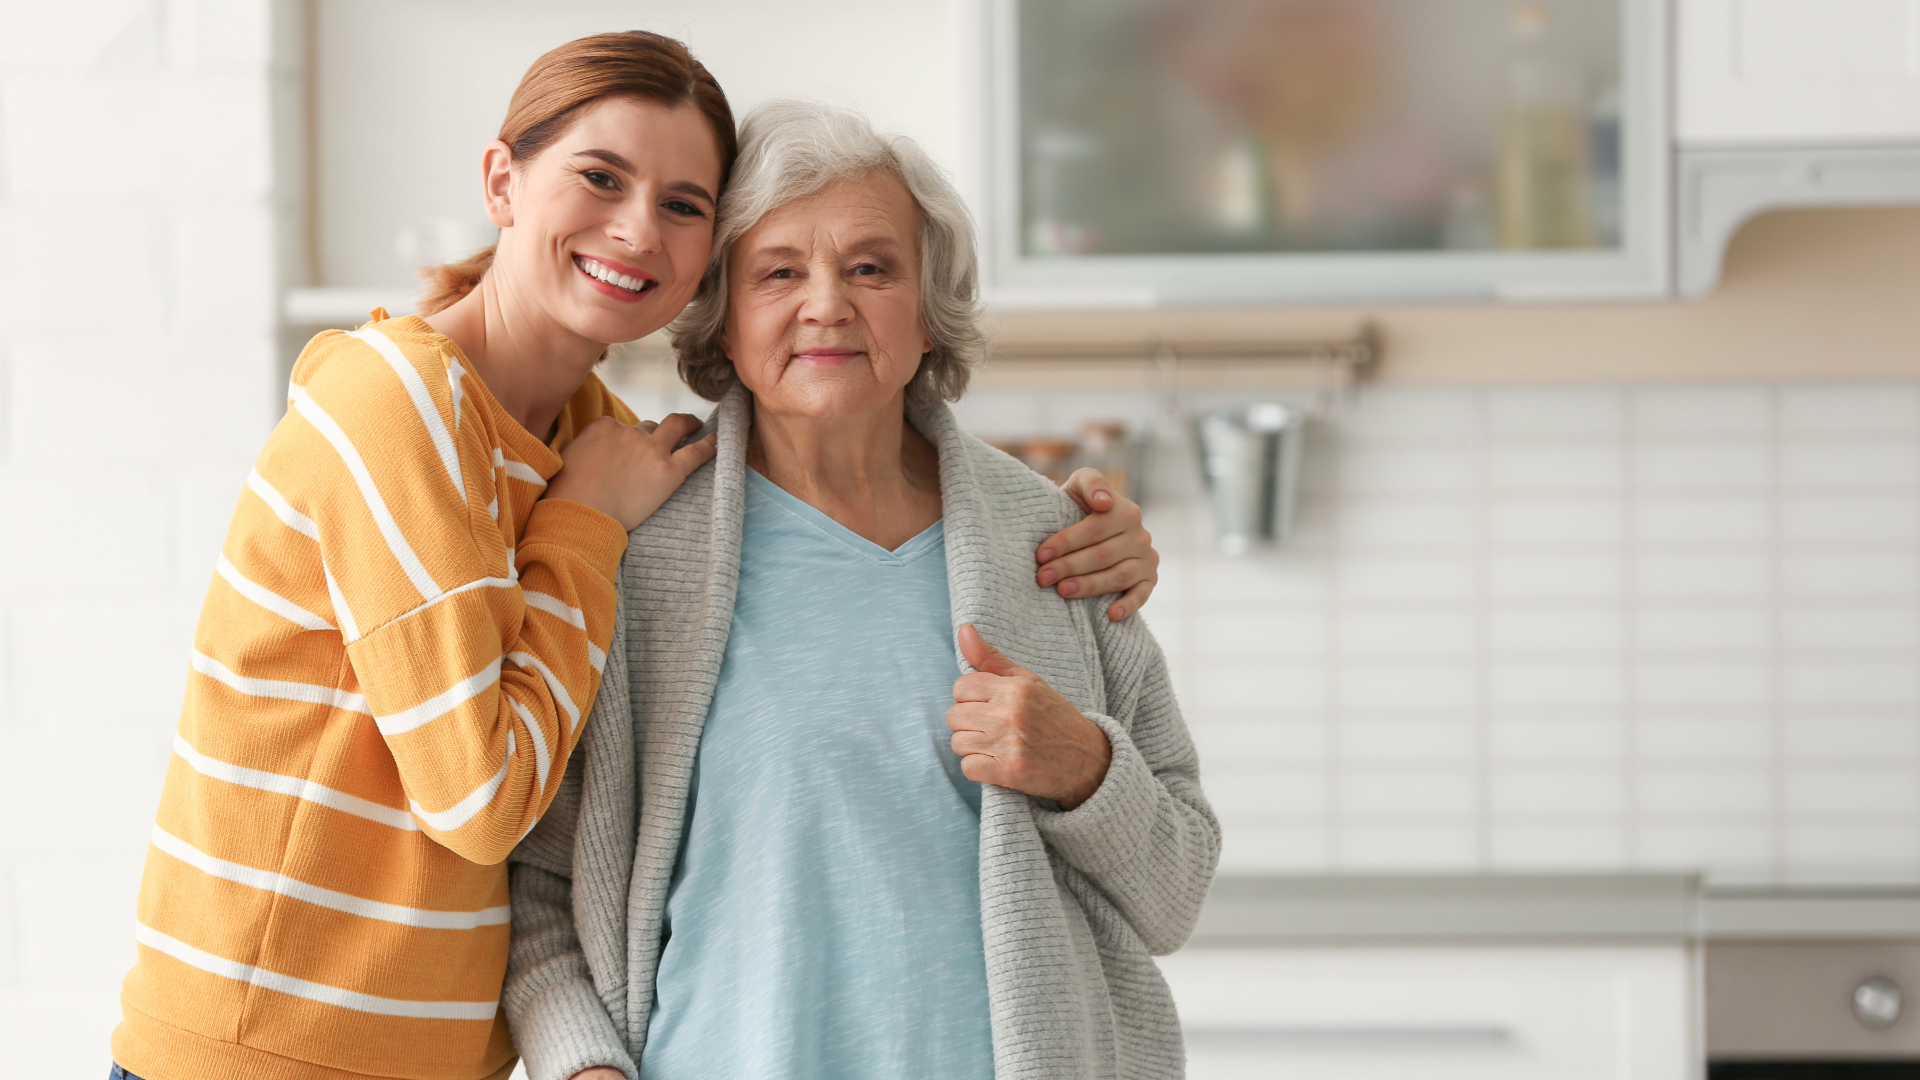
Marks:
<point>792,149</point>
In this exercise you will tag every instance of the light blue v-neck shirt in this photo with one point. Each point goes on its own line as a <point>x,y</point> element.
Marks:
<point>824,918</point>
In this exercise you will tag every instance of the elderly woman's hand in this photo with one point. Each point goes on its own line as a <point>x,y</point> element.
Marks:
<point>1108,551</point>
<point>1010,728</point>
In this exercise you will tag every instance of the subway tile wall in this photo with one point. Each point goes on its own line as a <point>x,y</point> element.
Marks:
<point>1537,629</point>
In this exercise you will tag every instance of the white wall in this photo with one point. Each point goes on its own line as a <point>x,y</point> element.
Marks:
<point>410,92</point>
<point>136,383</point>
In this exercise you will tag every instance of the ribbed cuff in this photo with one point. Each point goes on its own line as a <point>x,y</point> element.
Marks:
<point>1113,825</point>
<point>566,1029</point>
<point>580,528</point>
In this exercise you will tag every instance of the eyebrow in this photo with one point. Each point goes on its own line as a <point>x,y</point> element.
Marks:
<point>869,245</point>
<point>684,187</point>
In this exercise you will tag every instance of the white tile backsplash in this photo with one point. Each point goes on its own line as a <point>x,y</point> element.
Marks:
<point>1666,466</point>
<point>1838,466</point>
<point>1559,468</point>
<point>1694,411</point>
<point>1572,628</point>
<point>1856,409</point>
<point>1555,413</point>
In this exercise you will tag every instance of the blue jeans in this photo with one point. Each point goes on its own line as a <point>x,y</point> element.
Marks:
<point>119,1073</point>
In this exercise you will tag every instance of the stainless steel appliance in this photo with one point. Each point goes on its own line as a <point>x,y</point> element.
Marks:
<point>1801,1010</point>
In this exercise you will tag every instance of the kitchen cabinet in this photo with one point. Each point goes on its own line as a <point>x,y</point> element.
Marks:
<point>1797,73</point>
<point>1192,152</point>
<point>1196,152</point>
<point>1789,103</point>
<point>1478,1012</point>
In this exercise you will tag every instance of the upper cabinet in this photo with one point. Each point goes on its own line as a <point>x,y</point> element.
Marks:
<point>1183,152</point>
<point>1228,151</point>
<point>1789,103</point>
<point>1798,72</point>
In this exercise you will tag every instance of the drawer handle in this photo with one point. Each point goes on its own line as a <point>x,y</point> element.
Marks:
<point>1218,1034</point>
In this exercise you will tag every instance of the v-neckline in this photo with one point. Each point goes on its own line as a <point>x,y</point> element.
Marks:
<point>819,520</point>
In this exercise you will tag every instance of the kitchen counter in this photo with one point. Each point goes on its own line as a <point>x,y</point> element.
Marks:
<point>1388,909</point>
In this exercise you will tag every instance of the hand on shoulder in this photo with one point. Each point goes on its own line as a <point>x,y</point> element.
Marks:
<point>1108,551</point>
<point>626,472</point>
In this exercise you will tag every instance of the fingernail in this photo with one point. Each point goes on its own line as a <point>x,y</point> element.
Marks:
<point>1049,576</point>
<point>1047,554</point>
<point>1069,588</point>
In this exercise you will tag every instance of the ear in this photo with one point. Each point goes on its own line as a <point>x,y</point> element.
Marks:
<point>496,179</point>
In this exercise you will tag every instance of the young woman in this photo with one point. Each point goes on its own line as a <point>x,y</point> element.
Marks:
<point>411,610</point>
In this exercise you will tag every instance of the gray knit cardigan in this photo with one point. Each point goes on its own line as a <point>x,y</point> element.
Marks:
<point>1072,903</point>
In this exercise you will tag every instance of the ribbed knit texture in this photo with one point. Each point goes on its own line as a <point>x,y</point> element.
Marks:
<point>391,668</point>
<point>1073,903</point>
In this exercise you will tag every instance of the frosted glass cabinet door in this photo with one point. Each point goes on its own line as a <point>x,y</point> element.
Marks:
<point>1195,151</point>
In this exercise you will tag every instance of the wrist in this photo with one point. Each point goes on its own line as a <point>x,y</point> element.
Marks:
<point>1098,757</point>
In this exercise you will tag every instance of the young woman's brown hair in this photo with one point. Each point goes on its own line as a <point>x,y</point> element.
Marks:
<point>630,63</point>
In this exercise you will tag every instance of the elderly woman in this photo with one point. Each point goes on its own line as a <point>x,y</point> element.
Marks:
<point>802,843</point>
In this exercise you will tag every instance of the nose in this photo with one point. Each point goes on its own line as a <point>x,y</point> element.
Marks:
<point>637,227</point>
<point>824,301</point>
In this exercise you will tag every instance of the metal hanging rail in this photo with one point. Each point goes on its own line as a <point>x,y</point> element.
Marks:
<point>1356,358</point>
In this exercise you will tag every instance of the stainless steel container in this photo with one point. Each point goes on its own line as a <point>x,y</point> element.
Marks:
<point>1250,458</point>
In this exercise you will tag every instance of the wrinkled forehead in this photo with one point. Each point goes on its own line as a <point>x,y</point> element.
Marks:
<point>866,210</point>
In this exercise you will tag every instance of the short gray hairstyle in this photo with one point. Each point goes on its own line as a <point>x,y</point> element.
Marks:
<point>791,149</point>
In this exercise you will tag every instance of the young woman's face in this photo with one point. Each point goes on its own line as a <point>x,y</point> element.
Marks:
<point>608,229</point>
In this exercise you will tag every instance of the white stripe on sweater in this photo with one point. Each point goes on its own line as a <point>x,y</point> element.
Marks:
<point>422,403</point>
<point>328,797</point>
<point>277,689</point>
<point>268,881</point>
<point>269,599</point>
<point>542,758</point>
<point>440,704</point>
<point>463,811</point>
<point>454,374</point>
<point>348,628</point>
<point>480,583</point>
<point>312,991</point>
<point>528,660</point>
<point>282,509</point>
<point>557,607</point>
<point>396,542</point>
<point>518,470</point>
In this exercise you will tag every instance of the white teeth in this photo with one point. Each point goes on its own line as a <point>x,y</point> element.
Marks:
<point>605,273</point>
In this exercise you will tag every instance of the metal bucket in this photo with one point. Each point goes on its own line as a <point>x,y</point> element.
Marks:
<point>1250,458</point>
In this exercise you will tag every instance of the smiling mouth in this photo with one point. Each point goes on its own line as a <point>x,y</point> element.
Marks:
<point>600,271</point>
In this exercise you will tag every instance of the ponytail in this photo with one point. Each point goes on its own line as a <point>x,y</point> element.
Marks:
<point>445,284</point>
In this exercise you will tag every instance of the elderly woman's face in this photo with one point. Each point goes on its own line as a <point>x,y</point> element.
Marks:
<point>823,304</point>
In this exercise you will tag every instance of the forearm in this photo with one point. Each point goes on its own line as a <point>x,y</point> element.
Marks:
<point>1146,839</point>
<point>559,1023</point>
<point>480,695</point>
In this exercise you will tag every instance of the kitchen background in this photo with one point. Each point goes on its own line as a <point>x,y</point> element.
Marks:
<point>1580,594</point>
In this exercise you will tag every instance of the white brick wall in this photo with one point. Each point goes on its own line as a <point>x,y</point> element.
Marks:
<point>137,379</point>
<point>1534,629</point>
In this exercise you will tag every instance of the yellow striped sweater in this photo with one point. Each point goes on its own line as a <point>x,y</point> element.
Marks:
<point>397,651</point>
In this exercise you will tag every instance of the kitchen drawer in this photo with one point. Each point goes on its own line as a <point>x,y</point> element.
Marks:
<point>1438,1013</point>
